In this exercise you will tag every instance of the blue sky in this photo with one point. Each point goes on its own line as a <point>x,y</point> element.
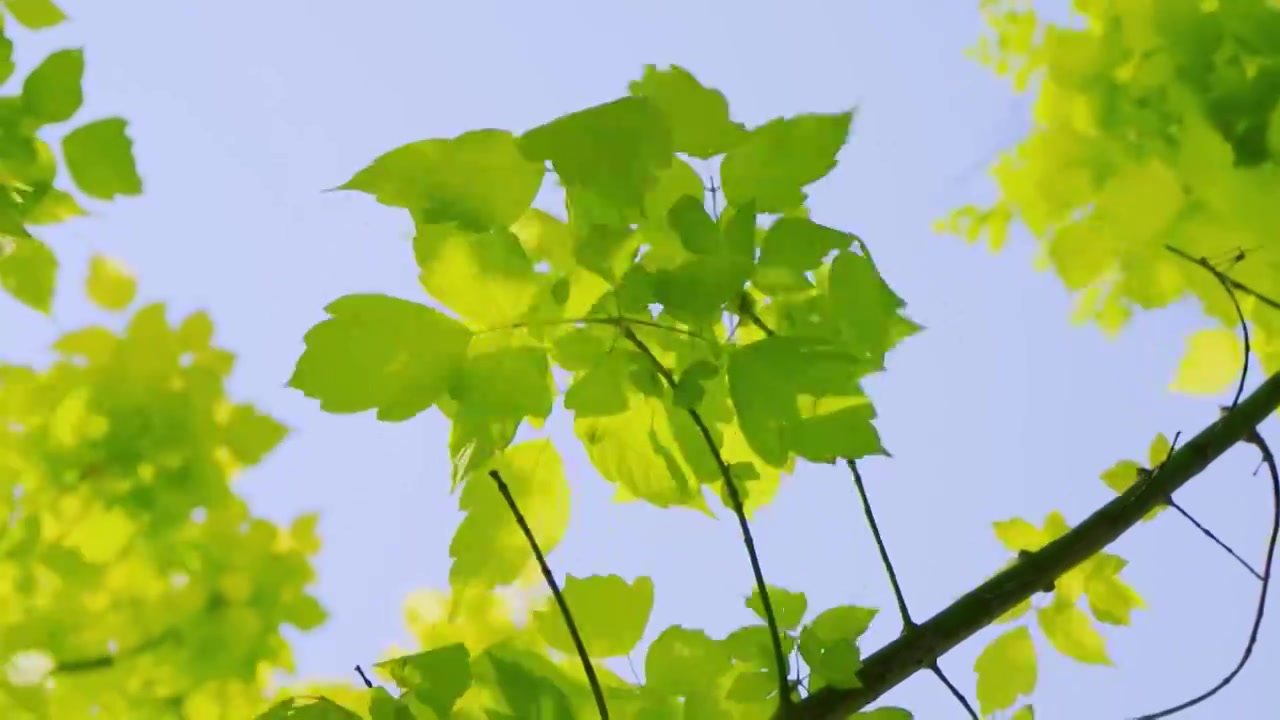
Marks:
<point>243,111</point>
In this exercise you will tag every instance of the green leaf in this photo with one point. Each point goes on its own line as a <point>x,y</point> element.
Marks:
<point>612,151</point>
<point>488,547</point>
<point>788,607</point>
<point>799,395</point>
<point>380,352</point>
<point>529,694</point>
<point>250,435</point>
<point>51,93</point>
<point>52,206</point>
<point>479,180</point>
<point>695,228</point>
<point>601,391</point>
<point>800,244</point>
<point>753,686</point>
<point>611,615</point>
<point>1071,633</point>
<point>684,662</point>
<point>99,156</point>
<point>110,284</point>
<point>781,157</point>
<point>1211,363</point>
<point>6,55</point>
<point>504,381</point>
<point>1006,670</point>
<point>752,648</point>
<point>691,387</point>
<point>383,706</point>
<point>1026,712</point>
<point>698,115</point>
<point>486,278</point>
<point>35,14</point>
<point>436,678</point>
<point>639,448</point>
<point>697,291</point>
<point>829,645</point>
<point>864,308</point>
<point>28,271</point>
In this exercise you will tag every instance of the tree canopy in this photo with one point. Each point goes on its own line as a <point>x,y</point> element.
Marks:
<point>709,336</point>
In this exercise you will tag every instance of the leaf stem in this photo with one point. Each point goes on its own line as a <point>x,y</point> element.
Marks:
<point>596,690</point>
<point>735,499</point>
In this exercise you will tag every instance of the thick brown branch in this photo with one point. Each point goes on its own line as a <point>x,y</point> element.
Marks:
<point>922,646</point>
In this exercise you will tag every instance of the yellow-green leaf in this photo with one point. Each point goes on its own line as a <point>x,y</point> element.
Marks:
<point>1211,364</point>
<point>1159,450</point>
<point>1006,670</point>
<point>27,270</point>
<point>489,548</point>
<point>35,14</point>
<point>110,285</point>
<point>1018,534</point>
<point>1071,632</point>
<point>610,613</point>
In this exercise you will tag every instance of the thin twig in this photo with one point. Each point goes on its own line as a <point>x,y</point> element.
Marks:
<point>1210,534</point>
<point>1235,284</point>
<point>596,690</point>
<point>1254,438</point>
<point>898,595</point>
<point>901,658</point>
<point>735,499</point>
<point>611,320</point>
<point>903,611</point>
<point>1244,375</point>
<point>364,678</point>
<point>748,311</point>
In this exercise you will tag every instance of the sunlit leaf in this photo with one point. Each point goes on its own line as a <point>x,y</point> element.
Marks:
<point>1006,670</point>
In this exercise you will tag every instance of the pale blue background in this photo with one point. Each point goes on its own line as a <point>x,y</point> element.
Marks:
<point>244,110</point>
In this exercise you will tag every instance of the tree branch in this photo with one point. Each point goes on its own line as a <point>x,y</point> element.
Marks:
<point>922,646</point>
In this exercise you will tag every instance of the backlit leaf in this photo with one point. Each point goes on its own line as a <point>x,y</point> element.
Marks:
<point>612,151</point>
<point>110,284</point>
<point>381,352</point>
<point>788,607</point>
<point>488,547</point>
<point>99,157</point>
<point>436,678</point>
<point>51,93</point>
<point>829,645</point>
<point>27,270</point>
<point>1006,670</point>
<point>611,614</point>
<point>479,180</point>
<point>1211,363</point>
<point>780,158</point>
<point>684,662</point>
<point>35,14</point>
<point>1071,633</point>
<point>698,116</point>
